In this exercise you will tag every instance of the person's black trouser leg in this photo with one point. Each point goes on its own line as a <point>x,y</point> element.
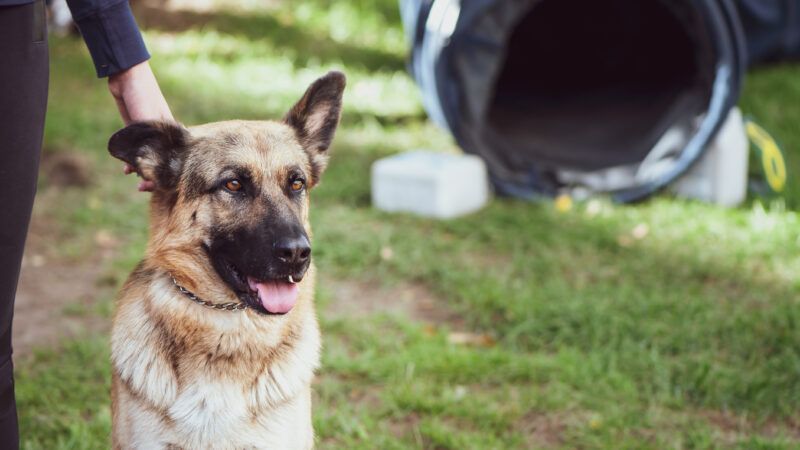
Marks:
<point>23,99</point>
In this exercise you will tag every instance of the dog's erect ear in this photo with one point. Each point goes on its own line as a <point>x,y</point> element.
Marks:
<point>315,118</point>
<point>154,149</point>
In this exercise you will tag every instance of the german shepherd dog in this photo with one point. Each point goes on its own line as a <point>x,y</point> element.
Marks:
<point>215,339</point>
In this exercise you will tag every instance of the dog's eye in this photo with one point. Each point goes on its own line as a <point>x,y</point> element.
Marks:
<point>233,185</point>
<point>297,185</point>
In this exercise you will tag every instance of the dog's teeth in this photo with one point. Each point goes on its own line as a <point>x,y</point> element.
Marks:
<point>291,280</point>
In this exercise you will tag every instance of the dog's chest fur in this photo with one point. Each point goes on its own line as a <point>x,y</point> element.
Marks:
<point>192,378</point>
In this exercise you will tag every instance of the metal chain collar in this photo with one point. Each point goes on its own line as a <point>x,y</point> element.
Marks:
<point>231,306</point>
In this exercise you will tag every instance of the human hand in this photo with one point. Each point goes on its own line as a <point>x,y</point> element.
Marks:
<point>139,98</point>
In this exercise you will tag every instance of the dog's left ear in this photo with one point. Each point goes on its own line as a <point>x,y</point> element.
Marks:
<point>154,149</point>
<point>315,118</point>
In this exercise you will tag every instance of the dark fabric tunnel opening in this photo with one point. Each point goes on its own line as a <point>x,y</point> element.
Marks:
<point>590,85</point>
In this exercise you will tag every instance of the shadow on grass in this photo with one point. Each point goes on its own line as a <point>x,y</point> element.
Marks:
<point>200,106</point>
<point>302,44</point>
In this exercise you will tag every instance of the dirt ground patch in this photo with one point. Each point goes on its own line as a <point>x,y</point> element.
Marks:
<point>542,430</point>
<point>732,427</point>
<point>65,169</point>
<point>54,302</point>
<point>356,299</point>
<point>56,298</point>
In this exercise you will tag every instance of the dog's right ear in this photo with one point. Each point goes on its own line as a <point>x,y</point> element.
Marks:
<point>154,149</point>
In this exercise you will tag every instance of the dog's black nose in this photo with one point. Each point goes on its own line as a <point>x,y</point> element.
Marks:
<point>294,250</point>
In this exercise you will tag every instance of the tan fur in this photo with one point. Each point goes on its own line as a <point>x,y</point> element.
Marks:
<point>188,377</point>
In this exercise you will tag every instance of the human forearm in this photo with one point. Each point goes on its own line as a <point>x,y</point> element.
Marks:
<point>110,33</point>
<point>138,95</point>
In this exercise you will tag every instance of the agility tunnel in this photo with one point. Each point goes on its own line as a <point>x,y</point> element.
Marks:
<point>614,96</point>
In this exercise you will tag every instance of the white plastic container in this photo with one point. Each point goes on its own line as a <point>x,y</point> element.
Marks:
<point>430,184</point>
<point>721,174</point>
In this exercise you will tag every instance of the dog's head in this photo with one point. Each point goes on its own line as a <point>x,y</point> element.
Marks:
<point>236,193</point>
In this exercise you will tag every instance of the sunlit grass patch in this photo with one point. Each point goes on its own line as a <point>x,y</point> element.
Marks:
<point>232,76</point>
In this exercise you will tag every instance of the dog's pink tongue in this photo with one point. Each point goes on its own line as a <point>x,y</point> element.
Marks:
<point>278,297</point>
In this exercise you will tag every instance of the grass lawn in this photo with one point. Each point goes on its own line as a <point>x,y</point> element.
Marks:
<point>670,324</point>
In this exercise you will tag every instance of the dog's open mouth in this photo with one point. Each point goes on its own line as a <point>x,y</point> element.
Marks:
<point>276,296</point>
<point>272,296</point>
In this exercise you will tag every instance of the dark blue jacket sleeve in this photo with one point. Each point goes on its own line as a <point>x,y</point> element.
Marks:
<point>111,33</point>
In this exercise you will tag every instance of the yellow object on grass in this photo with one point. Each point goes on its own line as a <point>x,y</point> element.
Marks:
<point>771,156</point>
<point>563,203</point>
